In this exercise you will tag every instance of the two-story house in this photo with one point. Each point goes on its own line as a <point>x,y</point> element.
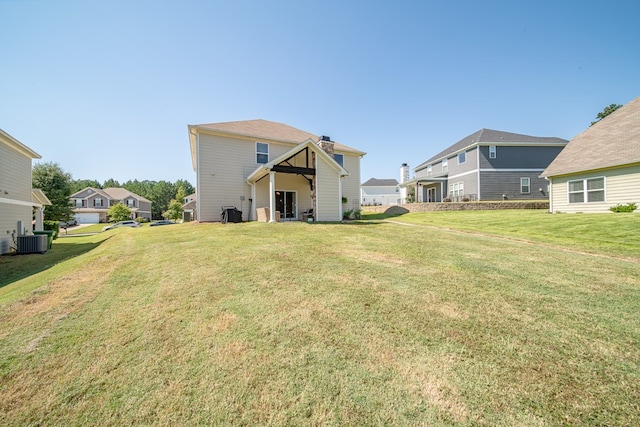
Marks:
<point>259,164</point>
<point>189,208</point>
<point>17,199</point>
<point>376,192</point>
<point>91,204</point>
<point>487,165</point>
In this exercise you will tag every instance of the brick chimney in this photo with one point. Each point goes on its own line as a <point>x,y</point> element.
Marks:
<point>327,145</point>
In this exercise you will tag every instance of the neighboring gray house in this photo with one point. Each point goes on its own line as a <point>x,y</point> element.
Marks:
<point>91,204</point>
<point>600,167</point>
<point>487,165</point>
<point>376,192</point>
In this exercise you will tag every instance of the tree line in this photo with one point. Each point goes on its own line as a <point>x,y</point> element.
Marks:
<point>58,185</point>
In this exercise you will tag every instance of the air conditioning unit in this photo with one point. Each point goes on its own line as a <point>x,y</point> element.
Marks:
<point>32,244</point>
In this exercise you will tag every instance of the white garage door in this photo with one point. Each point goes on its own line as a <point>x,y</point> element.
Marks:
<point>87,218</point>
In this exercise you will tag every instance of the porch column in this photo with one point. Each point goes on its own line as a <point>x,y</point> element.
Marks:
<point>272,199</point>
<point>251,201</point>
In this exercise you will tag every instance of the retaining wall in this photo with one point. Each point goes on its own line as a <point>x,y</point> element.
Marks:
<point>455,206</point>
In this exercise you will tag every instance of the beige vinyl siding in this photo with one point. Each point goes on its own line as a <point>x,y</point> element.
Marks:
<point>15,174</point>
<point>144,209</point>
<point>15,195</point>
<point>328,193</point>
<point>283,182</point>
<point>351,183</point>
<point>621,186</point>
<point>224,165</point>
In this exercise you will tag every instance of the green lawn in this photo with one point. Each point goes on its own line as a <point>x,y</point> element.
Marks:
<point>370,323</point>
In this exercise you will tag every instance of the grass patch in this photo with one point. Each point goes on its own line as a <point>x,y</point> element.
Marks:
<point>306,324</point>
<point>598,233</point>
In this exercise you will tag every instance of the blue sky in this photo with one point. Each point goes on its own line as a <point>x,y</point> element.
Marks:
<point>107,89</point>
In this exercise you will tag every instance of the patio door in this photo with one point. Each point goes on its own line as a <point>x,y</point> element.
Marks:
<point>287,204</point>
<point>431,194</point>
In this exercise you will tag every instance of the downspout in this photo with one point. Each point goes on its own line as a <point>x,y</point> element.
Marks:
<point>550,194</point>
<point>198,182</point>
<point>340,196</point>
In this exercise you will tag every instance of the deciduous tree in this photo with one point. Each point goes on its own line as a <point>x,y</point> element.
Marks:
<point>56,184</point>
<point>119,212</point>
<point>604,113</point>
<point>175,210</point>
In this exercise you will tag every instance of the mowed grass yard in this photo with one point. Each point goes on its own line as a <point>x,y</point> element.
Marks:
<point>523,319</point>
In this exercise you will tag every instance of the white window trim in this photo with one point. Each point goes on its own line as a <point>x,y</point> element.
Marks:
<point>456,189</point>
<point>262,152</point>
<point>493,151</point>
<point>462,153</point>
<point>445,165</point>
<point>528,185</point>
<point>585,191</point>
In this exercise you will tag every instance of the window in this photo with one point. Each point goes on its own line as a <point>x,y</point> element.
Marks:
<point>97,201</point>
<point>445,165</point>
<point>131,203</point>
<point>492,152</point>
<point>79,203</point>
<point>595,190</point>
<point>462,157</point>
<point>429,170</point>
<point>339,158</point>
<point>457,189</point>
<point>262,152</point>
<point>525,185</point>
<point>576,191</point>
<point>591,190</point>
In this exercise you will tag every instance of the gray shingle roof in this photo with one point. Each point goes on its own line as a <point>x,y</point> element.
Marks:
<point>613,141</point>
<point>373,182</point>
<point>488,136</point>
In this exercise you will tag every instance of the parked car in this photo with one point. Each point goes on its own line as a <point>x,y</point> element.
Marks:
<point>70,223</point>
<point>122,224</point>
<point>161,222</point>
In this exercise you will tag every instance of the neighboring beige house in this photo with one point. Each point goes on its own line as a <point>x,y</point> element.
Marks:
<point>17,198</point>
<point>91,204</point>
<point>258,164</point>
<point>189,208</point>
<point>600,167</point>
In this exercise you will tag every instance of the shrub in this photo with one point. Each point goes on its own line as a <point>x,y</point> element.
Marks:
<point>630,207</point>
<point>52,225</point>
